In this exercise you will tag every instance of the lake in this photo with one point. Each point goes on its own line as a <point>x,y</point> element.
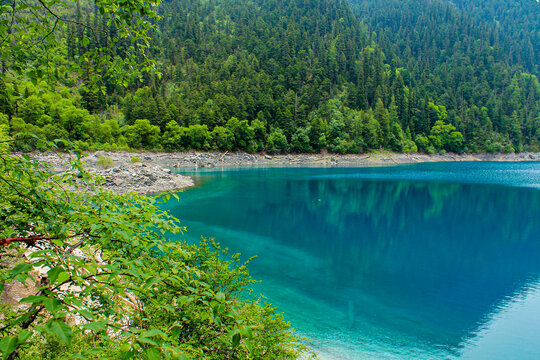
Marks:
<point>420,261</point>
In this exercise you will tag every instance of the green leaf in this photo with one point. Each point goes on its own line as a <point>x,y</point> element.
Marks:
<point>19,269</point>
<point>153,354</point>
<point>126,351</point>
<point>248,345</point>
<point>52,305</point>
<point>32,299</point>
<point>57,242</point>
<point>235,340</point>
<point>62,331</point>
<point>245,331</point>
<point>151,281</point>
<point>7,346</point>
<point>144,340</point>
<point>92,269</point>
<point>63,276</point>
<point>178,355</point>
<point>87,314</point>
<point>152,333</point>
<point>175,330</point>
<point>23,336</point>
<point>54,272</point>
<point>96,326</point>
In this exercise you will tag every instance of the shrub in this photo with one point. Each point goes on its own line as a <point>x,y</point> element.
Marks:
<point>105,162</point>
<point>170,299</point>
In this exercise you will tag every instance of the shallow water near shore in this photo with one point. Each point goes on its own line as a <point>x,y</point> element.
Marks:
<point>420,261</point>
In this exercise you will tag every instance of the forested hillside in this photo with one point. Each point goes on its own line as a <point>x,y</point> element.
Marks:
<point>298,76</point>
<point>477,58</point>
<point>86,272</point>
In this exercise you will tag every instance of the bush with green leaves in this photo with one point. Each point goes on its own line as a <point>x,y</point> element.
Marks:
<point>222,138</point>
<point>277,142</point>
<point>104,162</point>
<point>445,137</point>
<point>107,281</point>
<point>142,134</point>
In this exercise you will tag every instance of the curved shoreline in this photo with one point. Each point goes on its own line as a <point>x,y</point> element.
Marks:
<point>212,159</point>
<point>153,175</point>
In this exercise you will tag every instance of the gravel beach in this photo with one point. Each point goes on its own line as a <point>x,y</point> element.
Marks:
<point>154,173</point>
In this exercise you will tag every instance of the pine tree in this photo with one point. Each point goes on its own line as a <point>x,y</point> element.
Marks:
<point>5,103</point>
<point>382,117</point>
<point>80,28</point>
<point>401,101</point>
<point>71,46</point>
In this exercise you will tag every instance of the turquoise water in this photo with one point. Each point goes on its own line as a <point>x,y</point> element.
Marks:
<point>423,261</point>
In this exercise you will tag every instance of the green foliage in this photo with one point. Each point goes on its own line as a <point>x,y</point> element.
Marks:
<point>243,133</point>
<point>142,134</point>
<point>445,137</point>
<point>300,141</point>
<point>31,109</point>
<point>409,145</point>
<point>317,133</point>
<point>307,68</point>
<point>111,285</point>
<point>222,139</point>
<point>470,72</point>
<point>111,45</point>
<point>199,137</point>
<point>259,133</point>
<point>4,119</point>
<point>424,144</point>
<point>104,162</point>
<point>373,133</point>
<point>277,142</point>
<point>5,102</point>
<point>135,159</point>
<point>174,137</point>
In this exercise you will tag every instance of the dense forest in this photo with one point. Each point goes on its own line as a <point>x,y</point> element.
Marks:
<point>294,76</point>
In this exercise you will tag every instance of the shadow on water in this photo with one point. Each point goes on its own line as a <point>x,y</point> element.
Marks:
<point>398,262</point>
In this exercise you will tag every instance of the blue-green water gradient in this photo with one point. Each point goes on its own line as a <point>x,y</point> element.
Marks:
<point>423,261</point>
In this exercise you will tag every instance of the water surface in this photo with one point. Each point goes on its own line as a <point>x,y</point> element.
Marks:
<point>422,261</point>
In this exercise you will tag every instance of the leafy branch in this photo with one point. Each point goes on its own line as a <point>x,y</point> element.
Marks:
<point>145,297</point>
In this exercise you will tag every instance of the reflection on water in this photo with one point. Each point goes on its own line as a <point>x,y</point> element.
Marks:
<point>510,330</point>
<point>397,262</point>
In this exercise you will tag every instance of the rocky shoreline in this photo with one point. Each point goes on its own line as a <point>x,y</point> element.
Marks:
<point>153,173</point>
<point>123,176</point>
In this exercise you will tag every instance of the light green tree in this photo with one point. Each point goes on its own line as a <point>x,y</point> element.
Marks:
<point>199,137</point>
<point>445,137</point>
<point>142,134</point>
<point>277,141</point>
<point>222,138</point>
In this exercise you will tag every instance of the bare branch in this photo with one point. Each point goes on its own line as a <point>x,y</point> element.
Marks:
<point>31,240</point>
<point>74,246</point>
<point>52,30</point>
<point>68,20</point>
